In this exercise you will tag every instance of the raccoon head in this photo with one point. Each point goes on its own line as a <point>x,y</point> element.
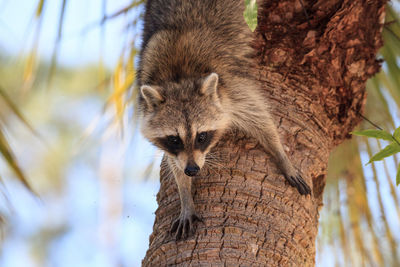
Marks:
<point>184,119</point>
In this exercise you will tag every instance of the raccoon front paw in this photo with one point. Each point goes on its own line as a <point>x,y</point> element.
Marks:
<point>297,181</point>
<point>184,226</point>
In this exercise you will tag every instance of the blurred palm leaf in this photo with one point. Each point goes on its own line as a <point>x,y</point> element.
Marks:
<point>9,157</point>
<point>57,43</point>
<point>123,79</point>
<point>5,149</point>
<point>30,66</point>
<point>39,8</point>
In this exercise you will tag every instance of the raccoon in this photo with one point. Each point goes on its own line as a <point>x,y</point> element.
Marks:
<point>195,79</point>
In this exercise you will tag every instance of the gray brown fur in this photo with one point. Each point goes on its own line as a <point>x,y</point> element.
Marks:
<point>195,77</point>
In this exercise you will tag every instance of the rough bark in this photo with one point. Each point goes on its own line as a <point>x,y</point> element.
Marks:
<point>314,73</point>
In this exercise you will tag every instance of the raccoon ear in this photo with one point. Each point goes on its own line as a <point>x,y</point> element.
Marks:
<point>151,95</point>
<point>209,86</point>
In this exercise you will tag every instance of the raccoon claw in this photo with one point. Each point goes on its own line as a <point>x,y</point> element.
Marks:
<point>298,182</point>
<point>184,226</point>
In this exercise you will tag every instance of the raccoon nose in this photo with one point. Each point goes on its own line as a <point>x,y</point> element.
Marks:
<point>191,170</point>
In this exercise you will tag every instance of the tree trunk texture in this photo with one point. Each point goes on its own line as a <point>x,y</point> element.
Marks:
<point>314,60</point>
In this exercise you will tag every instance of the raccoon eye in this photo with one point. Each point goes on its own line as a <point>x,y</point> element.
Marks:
<point>203,140</point>
<point>173,140</point>
<point>202,137</point>
<point>172,144</point>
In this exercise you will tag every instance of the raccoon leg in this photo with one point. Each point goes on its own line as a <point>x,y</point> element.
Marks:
<point>263,129</point>
<point>184,225</point>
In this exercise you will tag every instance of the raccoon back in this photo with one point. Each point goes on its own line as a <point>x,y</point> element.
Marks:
<point>189,39</point>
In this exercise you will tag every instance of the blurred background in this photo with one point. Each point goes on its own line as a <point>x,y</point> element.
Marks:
<point>67,128</point>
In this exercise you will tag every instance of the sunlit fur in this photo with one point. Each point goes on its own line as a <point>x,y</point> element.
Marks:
<point>195,75</point>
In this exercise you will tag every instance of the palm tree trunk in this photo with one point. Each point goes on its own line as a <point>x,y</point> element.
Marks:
<point>314,63</point>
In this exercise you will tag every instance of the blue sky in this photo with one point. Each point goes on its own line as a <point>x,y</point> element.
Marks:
<point>79,45</point>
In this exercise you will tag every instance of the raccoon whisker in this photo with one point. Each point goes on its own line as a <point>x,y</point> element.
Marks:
<point>165,165</point>
<point>215,161</point>
<point>214,164</point>
<point>216,169</point>
<point>173,166</point>
<point>168,170</point>
<point>216,156</point>
<point>169,167</point>
<point>213,157</point>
